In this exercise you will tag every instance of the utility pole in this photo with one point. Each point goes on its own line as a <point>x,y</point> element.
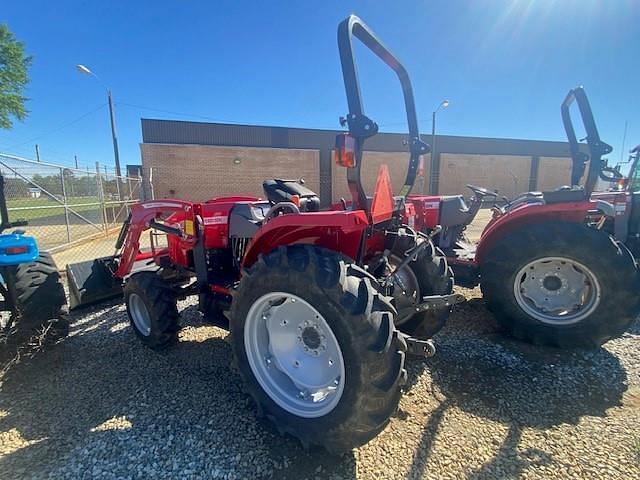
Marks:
<point>84,70</point>
<point>75,157</point>
<point>433,152</point>
<point>624,139</point>
<point>37,153</point>
<point>435,164</point>
<point>116,153</point>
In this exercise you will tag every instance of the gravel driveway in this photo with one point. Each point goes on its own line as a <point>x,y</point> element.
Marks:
<point>100,405</point>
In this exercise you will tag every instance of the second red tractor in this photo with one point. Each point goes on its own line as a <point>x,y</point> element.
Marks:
<point>556,268</point>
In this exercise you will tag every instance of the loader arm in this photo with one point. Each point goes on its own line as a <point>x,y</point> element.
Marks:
<point>143,217</point>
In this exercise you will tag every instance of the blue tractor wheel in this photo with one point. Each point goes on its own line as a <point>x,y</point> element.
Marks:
<point>34,295</point>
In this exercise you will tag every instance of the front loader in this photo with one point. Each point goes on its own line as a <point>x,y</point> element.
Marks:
<point>310,297</point>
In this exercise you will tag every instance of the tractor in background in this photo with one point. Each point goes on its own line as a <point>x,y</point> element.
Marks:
<point>556,268</point>
<point>33,298</point>
<point>311,298</point>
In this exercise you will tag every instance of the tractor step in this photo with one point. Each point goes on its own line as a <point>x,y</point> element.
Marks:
<point>420,348</point>
<point>92,282</point>
<point>432,302</point>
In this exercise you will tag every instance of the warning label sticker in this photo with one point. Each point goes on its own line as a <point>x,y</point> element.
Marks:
<point>219,220</point>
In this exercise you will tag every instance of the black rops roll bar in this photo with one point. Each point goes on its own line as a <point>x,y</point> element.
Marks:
<point>4,214</point>
<point>597,148</point>
<point>360,126</point>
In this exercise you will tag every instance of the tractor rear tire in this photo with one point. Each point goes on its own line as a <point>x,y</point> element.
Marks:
<point>566,258</point>
<point>38,299</point>
<point>152,309</point>
<point>433,277</point>
<point>357,323</point>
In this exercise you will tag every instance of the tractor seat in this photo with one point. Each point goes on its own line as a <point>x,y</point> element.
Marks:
<point>564,194</point>
<point>280,190</point>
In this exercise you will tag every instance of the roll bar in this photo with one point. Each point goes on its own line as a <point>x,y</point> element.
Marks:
<point>4,213</point>
<point>597,148</point>
<point>360,126</point>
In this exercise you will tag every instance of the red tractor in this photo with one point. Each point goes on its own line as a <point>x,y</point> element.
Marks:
<point>554,267</point>
<point>311,297</point>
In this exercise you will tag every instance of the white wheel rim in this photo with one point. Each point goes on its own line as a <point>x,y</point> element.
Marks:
<point>557,290</point>
<point>140,314</point>
<point>294,355</point>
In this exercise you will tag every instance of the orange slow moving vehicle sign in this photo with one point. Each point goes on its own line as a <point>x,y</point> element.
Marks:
<point>383,202</point>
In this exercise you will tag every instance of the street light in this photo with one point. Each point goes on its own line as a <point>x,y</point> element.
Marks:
<point>86,71</point>
<point>434,167</point>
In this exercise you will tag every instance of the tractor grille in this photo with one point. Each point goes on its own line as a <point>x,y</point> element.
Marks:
<point>238,247</point>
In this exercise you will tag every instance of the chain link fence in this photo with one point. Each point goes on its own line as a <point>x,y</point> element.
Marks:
<point>74,214</point>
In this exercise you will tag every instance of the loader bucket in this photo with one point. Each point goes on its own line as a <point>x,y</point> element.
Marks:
<point>92,282</point>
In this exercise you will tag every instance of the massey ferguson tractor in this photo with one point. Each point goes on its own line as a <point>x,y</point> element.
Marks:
<point>311,297</point>
<point>556,268</point>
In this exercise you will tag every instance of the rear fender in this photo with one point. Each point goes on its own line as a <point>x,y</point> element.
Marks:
<point>21,242</point>
<point>529,214</point>
<point>340,231</point>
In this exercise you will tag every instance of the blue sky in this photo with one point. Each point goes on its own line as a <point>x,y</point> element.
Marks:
<point>504,65</point>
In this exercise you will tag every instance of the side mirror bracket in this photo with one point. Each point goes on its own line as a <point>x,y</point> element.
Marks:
<point>418,147</point>
<point>361,126</point>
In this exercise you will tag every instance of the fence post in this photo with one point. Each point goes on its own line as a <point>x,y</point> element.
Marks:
<point>118,187</point>
<point>101,198</point>
<point>66,206</point>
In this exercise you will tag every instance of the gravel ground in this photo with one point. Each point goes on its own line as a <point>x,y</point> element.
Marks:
<point>100,405</point>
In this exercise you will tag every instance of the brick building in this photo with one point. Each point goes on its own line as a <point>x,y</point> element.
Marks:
<point>195,161</point>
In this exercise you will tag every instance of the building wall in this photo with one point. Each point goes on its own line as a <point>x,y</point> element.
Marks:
<point>199,172</point>
<point>397,162</point>
<point>507,174</point>
<point>553,172</point>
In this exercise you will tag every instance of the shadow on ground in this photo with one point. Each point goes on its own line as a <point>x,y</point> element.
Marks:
<point>516,384</point>
<point>100,401</point>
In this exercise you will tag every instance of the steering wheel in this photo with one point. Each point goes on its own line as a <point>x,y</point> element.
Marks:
<point>482,192</point>
<point>610,174</point>
<point>281,208</point>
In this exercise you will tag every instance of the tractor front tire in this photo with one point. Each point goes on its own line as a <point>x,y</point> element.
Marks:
<point>561,284</point>
<point>38,299</point>
<point>316,346</point>
<point>152,310</point>
<point>432,276</point>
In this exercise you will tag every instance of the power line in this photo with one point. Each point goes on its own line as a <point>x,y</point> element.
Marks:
<point>182,114</point>
<point>61,127</point>
<point>203,117</point>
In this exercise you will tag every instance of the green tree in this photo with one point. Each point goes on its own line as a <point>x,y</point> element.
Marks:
<point>14,65</point>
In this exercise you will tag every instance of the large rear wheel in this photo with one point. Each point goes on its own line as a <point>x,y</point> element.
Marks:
<point>35,295</point>
<point>427,275</point>
<point>316,347</point>
<point>561,284</point>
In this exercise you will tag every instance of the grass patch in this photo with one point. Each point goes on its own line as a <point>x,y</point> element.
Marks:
<point>45,201</point>
<point>43,207</point>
